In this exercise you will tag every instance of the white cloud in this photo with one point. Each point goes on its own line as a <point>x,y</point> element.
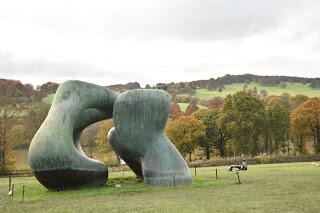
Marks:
<point>109,42</point>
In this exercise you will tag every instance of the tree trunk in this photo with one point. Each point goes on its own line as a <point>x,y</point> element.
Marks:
<point>207,152</point>
<point>300,144</point>
<point>288,143</point>
<point>266,144</point>
<point>221,146</point>
<point>317,145</point>
<point>3,156</point>
<point>190,156</point>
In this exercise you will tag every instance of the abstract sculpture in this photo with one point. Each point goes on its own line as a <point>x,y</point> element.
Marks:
<point>138,137</point>
<point>55,154</point>
<point>58,161</point>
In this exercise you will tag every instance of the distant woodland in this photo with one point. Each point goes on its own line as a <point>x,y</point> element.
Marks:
<point>249,122</point>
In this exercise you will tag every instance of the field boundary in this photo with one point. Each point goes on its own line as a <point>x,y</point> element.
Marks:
<point>256,160</point>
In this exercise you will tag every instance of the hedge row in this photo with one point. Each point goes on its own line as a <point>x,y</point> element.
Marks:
<point>257,160</point>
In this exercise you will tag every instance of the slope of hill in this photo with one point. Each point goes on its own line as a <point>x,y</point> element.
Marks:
<point>291,88</point>
<point>183,106</point>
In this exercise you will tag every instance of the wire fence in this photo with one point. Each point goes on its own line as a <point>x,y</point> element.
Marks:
<point>20,189</point>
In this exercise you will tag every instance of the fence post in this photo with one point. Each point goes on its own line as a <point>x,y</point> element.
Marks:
<point>195,171</point>
<point>23,193</point>
<point>9,184</point>
<point>216,173</point>
<point>12,190</point>
<point>238,177</point>
<point>174,182</point>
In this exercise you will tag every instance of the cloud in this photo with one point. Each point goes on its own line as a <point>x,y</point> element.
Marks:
<point>152,41</point>
<point>182,19</point>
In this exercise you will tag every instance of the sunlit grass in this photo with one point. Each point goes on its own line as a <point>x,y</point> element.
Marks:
<point>292,88</point>
<point>183,106</point>
<point>290,187</point>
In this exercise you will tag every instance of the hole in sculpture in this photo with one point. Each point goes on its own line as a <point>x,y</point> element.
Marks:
<point>94,142</point>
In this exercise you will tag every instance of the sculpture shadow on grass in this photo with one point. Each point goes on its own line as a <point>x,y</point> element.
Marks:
<point>138,137</point>
<point>55,154</point>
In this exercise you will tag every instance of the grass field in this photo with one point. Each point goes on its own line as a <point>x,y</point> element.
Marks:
<point>183,106</point>
<point>292,89</point>
<point>265,188</point>
<point>48,99</point>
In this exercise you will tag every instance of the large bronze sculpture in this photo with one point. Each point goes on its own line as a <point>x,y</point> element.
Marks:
<point>138,137</point>
<point>55,154</point>
<point>58,161</point>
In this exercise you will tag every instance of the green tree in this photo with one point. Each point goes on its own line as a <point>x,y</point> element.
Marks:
<point>185,133</point>
<point>278,118</point>
<point>209,119</point>
<point>216,136</point>
<point>266,134</point>
<point>242,115</point>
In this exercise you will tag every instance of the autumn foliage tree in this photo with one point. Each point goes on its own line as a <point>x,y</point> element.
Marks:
<point>192,107</point>
<point>102,136</point>
<point>305,121</point>
<point>296,101</point>
<point>175,111</point>
<point>7,121</point>
<point>185,133</point>
<point>215,103</point>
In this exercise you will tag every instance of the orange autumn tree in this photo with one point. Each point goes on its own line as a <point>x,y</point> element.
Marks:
<point>175,111</point>
<point>102,135</point>
<point>192,107</point>
<point>215,103</point>
<point>185,133</point>
<point>305,121</point>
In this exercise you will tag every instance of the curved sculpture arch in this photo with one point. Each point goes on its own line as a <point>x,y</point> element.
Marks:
<point>138,137</point>
<point>55,154</point>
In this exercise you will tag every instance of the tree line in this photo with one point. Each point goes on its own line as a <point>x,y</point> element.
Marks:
<point>14,88</point>
<point>247,124</point>
<point>242,124</point>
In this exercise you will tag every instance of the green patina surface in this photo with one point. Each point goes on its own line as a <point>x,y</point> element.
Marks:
<point>138,137</point>
<point>55,149</point>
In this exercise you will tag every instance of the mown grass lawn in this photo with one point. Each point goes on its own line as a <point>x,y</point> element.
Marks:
<point>293,187</point>
<point>292,88</point>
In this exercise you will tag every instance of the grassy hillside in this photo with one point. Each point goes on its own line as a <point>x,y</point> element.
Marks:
<point>48,99</point>
<point>292,89</point>
<point>290,187</point>
<point>183,106</point>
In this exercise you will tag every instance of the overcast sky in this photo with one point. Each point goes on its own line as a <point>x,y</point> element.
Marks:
<point>110,42</point>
